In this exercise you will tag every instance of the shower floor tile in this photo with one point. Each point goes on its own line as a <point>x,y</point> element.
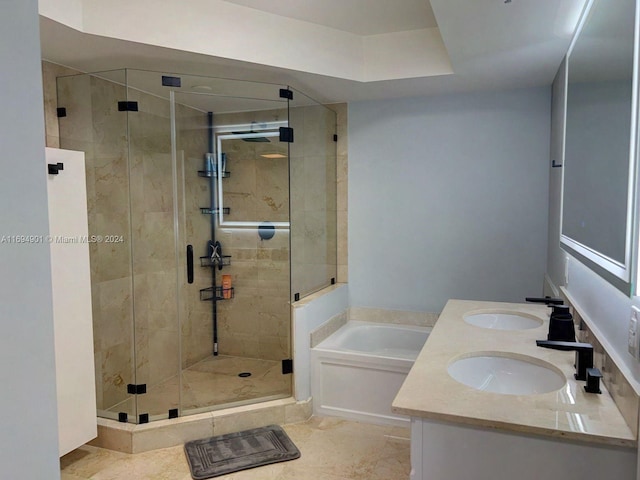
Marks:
<point>332,449</point>
<point>213,382</point>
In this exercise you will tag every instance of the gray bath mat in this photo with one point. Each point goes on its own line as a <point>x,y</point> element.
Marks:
<point>215,456</point>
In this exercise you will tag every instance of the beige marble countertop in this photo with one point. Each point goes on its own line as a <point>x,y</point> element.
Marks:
<point>429,392</point>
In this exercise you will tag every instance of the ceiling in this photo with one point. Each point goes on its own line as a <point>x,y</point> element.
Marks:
<point>490,44</point>
<point>362,17</point>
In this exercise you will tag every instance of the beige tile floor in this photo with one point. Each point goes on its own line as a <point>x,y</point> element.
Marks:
<point>212,382</point>
<point>331,448</point>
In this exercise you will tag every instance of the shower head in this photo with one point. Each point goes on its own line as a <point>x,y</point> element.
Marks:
<point>256,139</point>
<point>252,139</point>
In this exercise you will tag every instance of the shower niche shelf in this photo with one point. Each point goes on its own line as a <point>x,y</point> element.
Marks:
<point>212,294</point>
<point>207,261</point>
<point>212,174</point>
<point>214,211</point>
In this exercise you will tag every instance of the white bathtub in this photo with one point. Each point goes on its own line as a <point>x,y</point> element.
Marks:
<point>357,371</point>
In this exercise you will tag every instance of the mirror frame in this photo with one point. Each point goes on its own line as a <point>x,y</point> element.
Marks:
<point>621,275</point>
<point>229,132</point>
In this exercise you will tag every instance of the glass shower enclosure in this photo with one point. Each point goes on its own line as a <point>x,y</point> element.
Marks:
<point>213,206</point>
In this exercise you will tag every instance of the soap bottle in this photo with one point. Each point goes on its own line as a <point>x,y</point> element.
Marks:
<point>223,165</point>
<point>226,286</point>
<point>208,163</point>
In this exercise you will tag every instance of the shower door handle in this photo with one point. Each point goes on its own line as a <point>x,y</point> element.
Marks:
<point>189,263</point>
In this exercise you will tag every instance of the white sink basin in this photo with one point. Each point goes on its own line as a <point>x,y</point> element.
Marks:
<point>513,375</point>
<point>503,320</point>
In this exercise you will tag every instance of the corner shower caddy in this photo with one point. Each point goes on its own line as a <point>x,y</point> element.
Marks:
<point>215,293</point>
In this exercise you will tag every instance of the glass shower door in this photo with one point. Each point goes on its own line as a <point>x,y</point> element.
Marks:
<point>235,193</point>
<point>154,208</point>
<point>91,121</point>
<point>314,196</point>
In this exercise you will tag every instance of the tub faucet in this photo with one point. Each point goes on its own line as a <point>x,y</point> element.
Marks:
<point>584,354</point>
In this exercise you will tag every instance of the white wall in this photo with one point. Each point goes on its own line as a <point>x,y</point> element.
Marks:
<point>28,423</point>
<point>448,199</point>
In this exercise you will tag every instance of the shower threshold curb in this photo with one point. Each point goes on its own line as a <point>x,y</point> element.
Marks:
<point>131,438</point>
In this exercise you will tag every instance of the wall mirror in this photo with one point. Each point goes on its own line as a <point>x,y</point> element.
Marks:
<point>258,189</point>
<point>600,141</point>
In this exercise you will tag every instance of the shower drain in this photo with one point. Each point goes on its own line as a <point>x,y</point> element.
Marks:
<point>244,374</point>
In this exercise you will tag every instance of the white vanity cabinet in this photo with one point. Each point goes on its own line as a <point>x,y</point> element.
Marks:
<point>445,451</point>
<point>71,285</point>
